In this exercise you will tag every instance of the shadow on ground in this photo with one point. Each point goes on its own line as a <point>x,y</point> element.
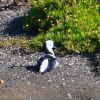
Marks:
<point>31,68</point>
<point>14,28</point>
<point>93,62</point>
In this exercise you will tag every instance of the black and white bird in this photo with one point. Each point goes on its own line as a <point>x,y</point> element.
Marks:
<point>48,61</point>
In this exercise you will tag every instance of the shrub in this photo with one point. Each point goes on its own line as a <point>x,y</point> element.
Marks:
<point>74,25</point>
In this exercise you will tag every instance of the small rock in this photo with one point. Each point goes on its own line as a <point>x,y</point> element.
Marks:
<point>1,81</point>
<point>28,83</point>
<point>63,84</point>
<point>69,95</point>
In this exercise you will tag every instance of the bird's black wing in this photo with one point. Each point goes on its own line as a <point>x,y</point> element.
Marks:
<point>39,64</point>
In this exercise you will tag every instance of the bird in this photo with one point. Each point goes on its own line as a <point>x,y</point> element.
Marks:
<point>47,62</point>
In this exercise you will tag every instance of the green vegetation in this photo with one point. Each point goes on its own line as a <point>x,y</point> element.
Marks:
<point>74,25</point>
<point>19,41</point>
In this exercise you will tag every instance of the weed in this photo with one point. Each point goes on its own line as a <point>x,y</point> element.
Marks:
<point>19,41</point>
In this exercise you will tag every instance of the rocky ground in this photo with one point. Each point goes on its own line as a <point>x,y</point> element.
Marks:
<point>72,80</point>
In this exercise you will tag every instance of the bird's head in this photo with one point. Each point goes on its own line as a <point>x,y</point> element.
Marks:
<point>49,47</point>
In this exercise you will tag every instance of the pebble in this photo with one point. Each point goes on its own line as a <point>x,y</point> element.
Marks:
<point>69,95</point>
<point>63,84</point>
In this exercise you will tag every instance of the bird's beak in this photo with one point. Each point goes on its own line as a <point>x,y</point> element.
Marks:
<point>54,47</point>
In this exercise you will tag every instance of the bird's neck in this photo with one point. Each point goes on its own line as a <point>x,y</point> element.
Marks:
<point>50,52</point>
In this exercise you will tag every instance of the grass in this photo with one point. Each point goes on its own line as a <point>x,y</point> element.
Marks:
<point>19,41</point>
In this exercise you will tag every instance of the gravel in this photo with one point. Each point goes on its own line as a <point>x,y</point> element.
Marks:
<point>73,73</point>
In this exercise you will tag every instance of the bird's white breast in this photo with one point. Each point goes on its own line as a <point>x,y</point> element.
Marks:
<point>44,65</point>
